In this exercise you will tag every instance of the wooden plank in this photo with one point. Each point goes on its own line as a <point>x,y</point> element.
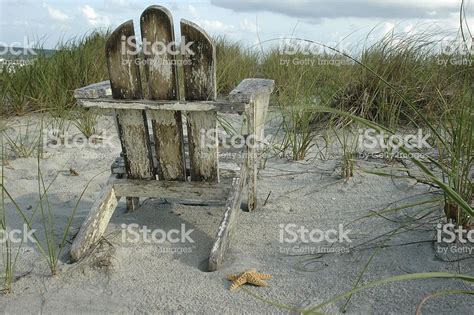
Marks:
<point>95,90</point>
<point>135,144</point>
<point>189,191</point>
<point>226,169</point>
<point>200,85</point>
<point>161,71</point>
<point>96,223</point>
<point>203,146</point>
<point>257,91</point>
<point>225,231</point>
<point>196,106</point>
<point>124,73</point>
<point>250,88</point>
<point>251,155</point>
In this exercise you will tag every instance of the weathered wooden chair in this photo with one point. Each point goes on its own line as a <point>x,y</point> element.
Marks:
<point>153,162</point>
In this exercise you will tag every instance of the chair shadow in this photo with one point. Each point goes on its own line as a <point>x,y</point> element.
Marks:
<point>200,223</point>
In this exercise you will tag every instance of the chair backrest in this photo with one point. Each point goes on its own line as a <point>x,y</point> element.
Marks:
<point>165,140</point>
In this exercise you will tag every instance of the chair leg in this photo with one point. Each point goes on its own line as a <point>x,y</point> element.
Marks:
<point>252,193</point>
<point>251,159</point>
<point>224,233</point>
<point>96,223</point>
<point>132,203</point>
<point>252,177</point>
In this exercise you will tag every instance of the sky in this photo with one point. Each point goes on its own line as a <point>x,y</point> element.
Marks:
<point>247,21</point>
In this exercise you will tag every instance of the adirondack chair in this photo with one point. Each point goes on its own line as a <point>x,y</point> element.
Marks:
<point>153,162</point>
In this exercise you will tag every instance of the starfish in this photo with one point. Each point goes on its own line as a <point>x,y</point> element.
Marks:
<point>250,276</point>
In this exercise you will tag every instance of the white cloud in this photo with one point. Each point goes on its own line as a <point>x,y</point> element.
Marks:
<point>216,26</point>
<point>248,26</point>
<point>388,27</point>
<point>192,9</point>
<point>93,17</point>
<point>121,3</point>
<point>408,28</point>
<point>56,14</point>
<point>316,10</point>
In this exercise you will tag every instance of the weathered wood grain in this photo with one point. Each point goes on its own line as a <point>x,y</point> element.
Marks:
<point>200,85</point>
<point>94,226</point>
<point>257,91</point>
<point>251,154</point>
<point>124,73</point>
<point>250,88</point>
<point>203,146</point>
<point>161,71</point>
<point>95,90</point>
<point>226,228</point>
<point>226,169</point>
<point>121,55</point>
<point>189,191</point>
<point>133,133</point>
<point>222,106</point>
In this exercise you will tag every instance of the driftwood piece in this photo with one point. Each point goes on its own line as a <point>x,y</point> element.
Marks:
<point>125,83</point>
<point>161,73</point>
<point>225,231</point>
<point>96,223</point>
<point>200,85</point>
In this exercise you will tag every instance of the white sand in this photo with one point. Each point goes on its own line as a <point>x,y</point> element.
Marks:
<point>144,278</point>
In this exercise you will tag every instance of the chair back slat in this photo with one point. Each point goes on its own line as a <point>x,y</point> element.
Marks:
<point>126,84</point>
<point>199,65</point>
<point>157,32</point>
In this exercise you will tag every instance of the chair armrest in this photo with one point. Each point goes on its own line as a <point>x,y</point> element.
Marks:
<point>95,90</point>
<point>250,89</point>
